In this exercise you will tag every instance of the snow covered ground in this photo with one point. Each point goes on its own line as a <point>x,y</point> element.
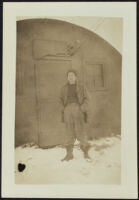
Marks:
<point>44,166</point>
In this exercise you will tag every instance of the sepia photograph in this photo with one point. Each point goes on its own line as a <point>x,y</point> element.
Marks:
<point>69,100</point>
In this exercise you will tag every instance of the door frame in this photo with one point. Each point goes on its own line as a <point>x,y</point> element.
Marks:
<point>38,113</point>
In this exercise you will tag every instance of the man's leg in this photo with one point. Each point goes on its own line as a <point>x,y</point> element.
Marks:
<point>85,149</point>
<point>80,132</point>
<point>70,134</point>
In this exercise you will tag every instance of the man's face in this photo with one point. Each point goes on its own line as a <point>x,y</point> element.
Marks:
<point>71,78</point>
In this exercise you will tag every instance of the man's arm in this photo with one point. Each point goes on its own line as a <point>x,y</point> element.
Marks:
<point>85,103</point>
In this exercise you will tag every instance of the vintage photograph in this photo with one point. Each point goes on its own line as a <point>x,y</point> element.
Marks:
<point>68,100</point>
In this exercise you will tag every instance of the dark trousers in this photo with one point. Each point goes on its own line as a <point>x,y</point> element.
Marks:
<point>74,120</point>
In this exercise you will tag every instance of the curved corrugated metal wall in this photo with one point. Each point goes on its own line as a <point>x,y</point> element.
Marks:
<point>91,55</point>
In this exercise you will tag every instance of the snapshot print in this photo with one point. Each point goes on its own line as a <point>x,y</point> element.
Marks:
<point>68,100</point>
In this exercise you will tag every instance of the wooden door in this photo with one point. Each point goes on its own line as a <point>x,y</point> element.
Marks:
<point>50,77</point>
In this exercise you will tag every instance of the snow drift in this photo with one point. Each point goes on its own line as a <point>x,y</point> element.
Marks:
<point>44,166</point>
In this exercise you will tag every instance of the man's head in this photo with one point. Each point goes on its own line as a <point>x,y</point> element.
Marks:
<point>72,76</point>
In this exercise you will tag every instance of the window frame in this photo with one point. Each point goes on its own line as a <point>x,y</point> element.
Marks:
<point>88,62</point>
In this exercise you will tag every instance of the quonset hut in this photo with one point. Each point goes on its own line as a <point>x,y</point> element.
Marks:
<point>46,49</point>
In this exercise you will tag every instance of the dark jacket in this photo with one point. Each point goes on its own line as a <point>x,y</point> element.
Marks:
<point>82,98</point>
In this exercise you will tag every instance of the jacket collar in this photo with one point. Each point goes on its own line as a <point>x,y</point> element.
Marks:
<point>77,86</point>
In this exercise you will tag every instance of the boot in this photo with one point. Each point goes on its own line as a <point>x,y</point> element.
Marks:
<point>69,155</point>
<point>85,150</point>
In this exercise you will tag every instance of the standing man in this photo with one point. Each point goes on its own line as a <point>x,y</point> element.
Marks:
<point>74,102</point>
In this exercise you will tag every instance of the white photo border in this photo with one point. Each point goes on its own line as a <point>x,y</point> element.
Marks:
<point>126,10</point>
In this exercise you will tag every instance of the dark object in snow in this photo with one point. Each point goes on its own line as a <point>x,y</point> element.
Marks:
<point>21,167</point>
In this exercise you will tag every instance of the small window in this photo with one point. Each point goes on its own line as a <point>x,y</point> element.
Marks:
<point>94,76</point>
